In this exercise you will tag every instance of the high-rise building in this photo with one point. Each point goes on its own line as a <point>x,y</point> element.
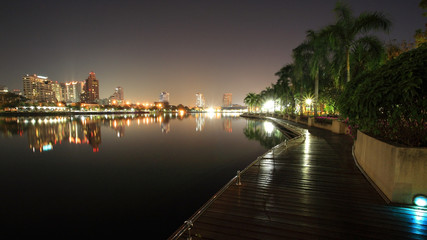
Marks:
<point>117,97</point>
<point>90,89</point>
<point>227,100</point>
<point>200,100</point>
<point>164,97</point>
<point>57,92</point>
<point>119,93</point>
<point>72,91</point>
<point>38,88</point>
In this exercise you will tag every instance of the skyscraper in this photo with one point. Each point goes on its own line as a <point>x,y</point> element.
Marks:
<point>72,91</point>
<point>227,100</point>
<point>91,89</point>
<point>118,97</point>
<point>38,88</point>
<point>57,91</point>
<point>164,97</point>
<point>200,100</point>
<point>120,94</point>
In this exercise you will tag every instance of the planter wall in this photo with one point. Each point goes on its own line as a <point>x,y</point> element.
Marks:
<point>335,127</point>
<point>400,173</point>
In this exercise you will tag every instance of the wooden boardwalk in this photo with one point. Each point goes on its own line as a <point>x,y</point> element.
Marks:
<point>312,190</point>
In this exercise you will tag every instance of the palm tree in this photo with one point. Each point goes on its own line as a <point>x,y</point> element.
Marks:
<point>250,100</point>
<point>315,50</point>
<point>345,34</point>
<point>282,87</point>
<point>367,54</point>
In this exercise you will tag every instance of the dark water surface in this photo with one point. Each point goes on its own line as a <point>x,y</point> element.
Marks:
<point>118,175</point>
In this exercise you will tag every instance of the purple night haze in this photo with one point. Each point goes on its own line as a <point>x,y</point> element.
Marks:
<point>182,47</point>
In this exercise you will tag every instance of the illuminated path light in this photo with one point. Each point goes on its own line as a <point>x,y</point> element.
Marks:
<point>420,200</point>
<point>268,106</point>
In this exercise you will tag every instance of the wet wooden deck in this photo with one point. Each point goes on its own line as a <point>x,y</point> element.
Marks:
<point>313,190</point>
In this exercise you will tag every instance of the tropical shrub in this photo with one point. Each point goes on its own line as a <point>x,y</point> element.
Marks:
<point>390,102</point>
<point>324,120</point>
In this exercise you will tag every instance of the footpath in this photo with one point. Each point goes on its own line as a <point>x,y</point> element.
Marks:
<point>310,189</point>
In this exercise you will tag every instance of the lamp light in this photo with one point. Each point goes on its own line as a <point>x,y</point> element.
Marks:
<point>420,200</point>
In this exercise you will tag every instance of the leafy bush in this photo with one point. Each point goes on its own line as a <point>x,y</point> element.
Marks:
<point>390,102</point>
<point>324,120</point>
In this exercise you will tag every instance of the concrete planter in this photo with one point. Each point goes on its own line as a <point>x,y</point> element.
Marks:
<point>336,126</point>
<point>399,172</point>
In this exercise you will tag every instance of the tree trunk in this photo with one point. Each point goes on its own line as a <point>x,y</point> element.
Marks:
<point>316,92</point>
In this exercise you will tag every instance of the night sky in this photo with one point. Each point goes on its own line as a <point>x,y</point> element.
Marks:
<point>182,47</point>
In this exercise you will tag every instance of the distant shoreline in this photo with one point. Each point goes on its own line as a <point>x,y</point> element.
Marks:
<point>28,114</point>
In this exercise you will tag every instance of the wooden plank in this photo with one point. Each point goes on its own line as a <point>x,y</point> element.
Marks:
<point>310,191</point>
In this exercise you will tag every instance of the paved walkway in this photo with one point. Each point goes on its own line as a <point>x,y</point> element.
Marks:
<point>309,191</point>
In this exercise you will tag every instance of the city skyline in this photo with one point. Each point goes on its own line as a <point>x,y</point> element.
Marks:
<point>180,48</point>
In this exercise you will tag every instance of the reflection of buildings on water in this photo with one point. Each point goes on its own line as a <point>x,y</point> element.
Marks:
<point>92,132</point>
<point>42,135</point>
<point>200,122</point>
<point>227,125</point>
<point>45,132</point>
<point>119,125</point>
<point>164,124</point>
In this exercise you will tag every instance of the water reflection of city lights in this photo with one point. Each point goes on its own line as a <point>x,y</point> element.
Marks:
<point>211,115</point>
<point>47,147</point>
<point>46,132</point>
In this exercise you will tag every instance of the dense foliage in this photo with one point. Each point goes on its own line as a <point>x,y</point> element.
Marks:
<point>323,64</point>
<point>391,102</point>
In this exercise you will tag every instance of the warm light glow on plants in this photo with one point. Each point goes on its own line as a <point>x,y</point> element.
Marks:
<point>268,106</point>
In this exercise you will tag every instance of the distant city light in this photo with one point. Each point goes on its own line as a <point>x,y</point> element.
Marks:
<point>211,110</point>
<point>420,200</point>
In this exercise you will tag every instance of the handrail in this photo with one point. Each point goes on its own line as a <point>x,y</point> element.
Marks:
<point>189,223</point>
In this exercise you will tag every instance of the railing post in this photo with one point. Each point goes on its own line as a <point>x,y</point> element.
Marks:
<point>238,182</point>
<point>189,224</point>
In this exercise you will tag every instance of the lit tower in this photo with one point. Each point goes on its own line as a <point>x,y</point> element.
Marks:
<point>164,97</point>
<point>120,94</point>
<point>200,100</point>
<point>227,100</point>
<point>91,89</point>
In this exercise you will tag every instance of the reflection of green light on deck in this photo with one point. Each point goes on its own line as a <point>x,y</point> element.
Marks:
<point>420,201</point>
